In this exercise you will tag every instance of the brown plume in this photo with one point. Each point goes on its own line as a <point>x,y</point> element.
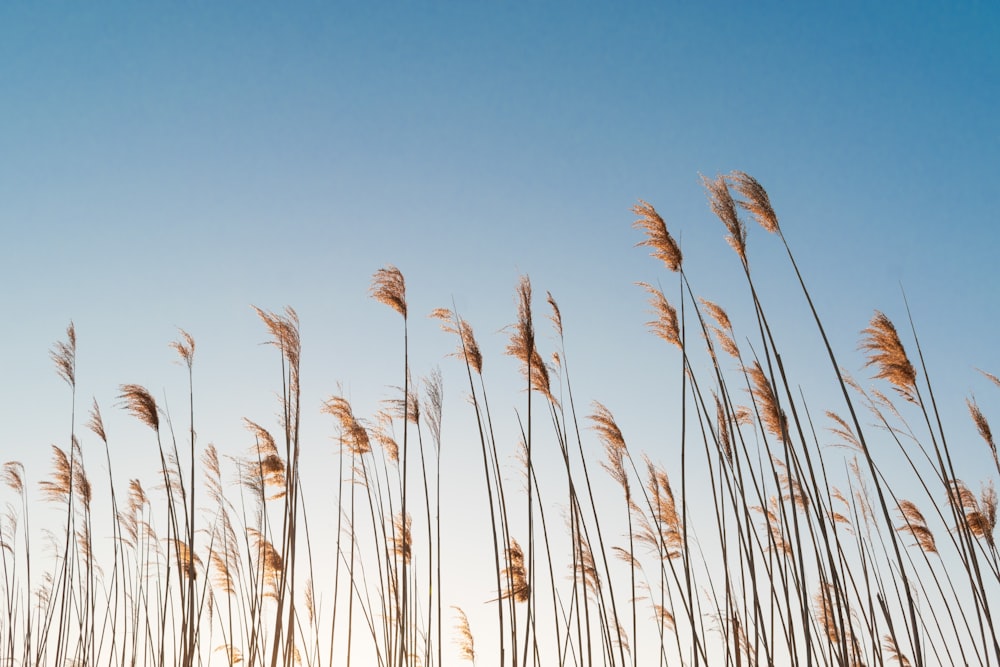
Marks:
<point>355,435</point>
<point>184,348</point>
<point>664,248</point>
<point>983,427</point>
<point>886,353</point>
<point>767,403</point>
<point>517,579</point>
<point>469,348</point>
<point>916,525</point>
<point>388,287</point>
<point>140,404</point>
<point>64,356</point>
<point>665,325</point>
<point>464,640</point>
<point>721,202</point>
<point>755,200</point>
<point>522,343</point>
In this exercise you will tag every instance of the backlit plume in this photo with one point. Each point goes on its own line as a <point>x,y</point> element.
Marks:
<point>657,237</point>
<point>886,353</point>
<point>755,200</point>
<point>388,287</point>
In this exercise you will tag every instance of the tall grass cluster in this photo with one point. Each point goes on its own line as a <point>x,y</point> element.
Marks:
<point>745,539</point>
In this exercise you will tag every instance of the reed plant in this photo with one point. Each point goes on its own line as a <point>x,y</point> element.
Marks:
<point>758,528</point>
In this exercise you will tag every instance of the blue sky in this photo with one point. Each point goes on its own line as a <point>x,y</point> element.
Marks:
<point>168,165</point>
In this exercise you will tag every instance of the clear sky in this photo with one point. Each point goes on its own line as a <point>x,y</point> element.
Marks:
<point>167,165</point>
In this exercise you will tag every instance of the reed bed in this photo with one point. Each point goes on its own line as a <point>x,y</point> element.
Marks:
<point>764,529</point>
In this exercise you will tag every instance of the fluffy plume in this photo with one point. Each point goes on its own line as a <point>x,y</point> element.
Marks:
<point>843,430</point>
<point>724,331</point>
<point>658,238</point>
<point>140,404</point>
<point>388,287</point>
<point>355,435</point>
<point>665,534</point>
<point>522,343</point>
<point>743,415</point>
<point>980,513</point>
<point>606,427</point>
<point>96,424</point>
<point>269,562</point>
<point>402,537</point>
<point>81,482</point>
<point>983,427</point>
<point>469,348</point>
<point>767,403</point>
<point>13,475</point>
<point>64,356</point>
<point>585,569</point>
<point>790,485</point>
<point>225,560</point>
<point>717,313</point>
<point>825,613</point>
<point>663,615</point>
<point>57,488</point>
<point>136,495</point>
<point>186,561</point>
<point>772,513</point>
<point>892,649</point>
<point>665,325</point>
<point>723,425</point>
<point>184,348</point>
<point>380,433</point>
<point>721,202</point>
<point>265,468</point>
<point>989,376</point>
<point>464,640</point>
<point>755,200</point>
<point>614,446</point>
<point>233,654</point>
<point>284,331</point>
<point>885,352</point>
<point>433,404</point>
<point>556,315</point>
<point>916,525</point>
<point>516,575</point>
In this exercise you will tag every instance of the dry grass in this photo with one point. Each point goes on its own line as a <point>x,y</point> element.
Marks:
<point>749,535</point>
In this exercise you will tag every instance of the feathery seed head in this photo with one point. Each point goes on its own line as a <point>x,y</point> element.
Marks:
<point>64,356</point>
<point>755,200</point>
<point>388,287</point>
<point>886,353</point>
<point>464,640</point>
<point>665,325</point>
<point>140,404</point>
<point>983,427</point>
<point>355,435</point>
<point>522,343</point>
<point>916,525</point>
<point>771,414</point>
<point>184,348</point>
<point>664,247</point>
<point>469,348</point>
<point>556,316</point>
<point>13,475</point>
<point>720,200</point>
<point>285,335</point>
<point>96,424</point>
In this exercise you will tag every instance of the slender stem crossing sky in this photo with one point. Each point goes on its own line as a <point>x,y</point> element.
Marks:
<point>168,165</point>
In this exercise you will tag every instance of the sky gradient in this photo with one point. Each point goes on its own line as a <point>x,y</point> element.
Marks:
<point>168,166</point>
